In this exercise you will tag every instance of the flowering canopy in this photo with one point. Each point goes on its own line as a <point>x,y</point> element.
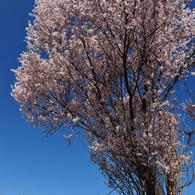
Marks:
<point>110,67</point>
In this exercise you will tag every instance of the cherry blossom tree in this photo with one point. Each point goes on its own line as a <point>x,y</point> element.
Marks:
<point>110,68</point>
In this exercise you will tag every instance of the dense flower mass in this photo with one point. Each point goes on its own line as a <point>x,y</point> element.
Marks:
<point>110,68</point>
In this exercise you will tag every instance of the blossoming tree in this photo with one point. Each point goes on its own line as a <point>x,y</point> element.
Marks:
<point>109,68</point>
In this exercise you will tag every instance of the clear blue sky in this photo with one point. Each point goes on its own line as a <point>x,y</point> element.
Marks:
<point>28,161</point>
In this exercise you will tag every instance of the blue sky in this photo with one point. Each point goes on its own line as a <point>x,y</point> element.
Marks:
<point>30,162</point>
